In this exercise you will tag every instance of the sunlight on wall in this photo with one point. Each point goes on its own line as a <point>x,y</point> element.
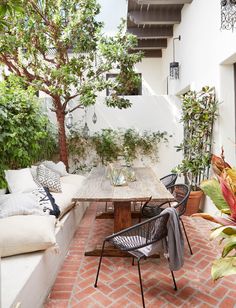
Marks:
<point>111,13</point>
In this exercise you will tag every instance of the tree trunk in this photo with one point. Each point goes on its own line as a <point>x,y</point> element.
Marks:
<point>60,114</point>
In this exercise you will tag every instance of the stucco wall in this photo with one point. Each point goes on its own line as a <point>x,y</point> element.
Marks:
<point>206,55</point>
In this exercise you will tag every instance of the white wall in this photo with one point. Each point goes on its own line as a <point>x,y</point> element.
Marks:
<point>151,113</point>
<point>111,13</point>
<point>206,55</point>
<point>151,69</point>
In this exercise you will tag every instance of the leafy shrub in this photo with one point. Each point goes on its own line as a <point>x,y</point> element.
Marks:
<point>25,133</point>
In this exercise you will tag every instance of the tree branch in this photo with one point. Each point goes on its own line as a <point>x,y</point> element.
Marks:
<point>10,65</point>
<point>37,10</point>
<point>77,107</point>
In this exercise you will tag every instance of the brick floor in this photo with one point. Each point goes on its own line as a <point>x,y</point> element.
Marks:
<point>118,284</point>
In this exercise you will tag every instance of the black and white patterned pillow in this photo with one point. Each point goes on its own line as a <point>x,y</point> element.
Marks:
<point>48,178</point>
<point>46,201</point>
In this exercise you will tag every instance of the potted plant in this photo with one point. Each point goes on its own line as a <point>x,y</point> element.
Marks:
<point>222,191</point>
<point>199,111</point>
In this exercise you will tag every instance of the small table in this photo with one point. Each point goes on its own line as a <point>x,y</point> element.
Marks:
<point>97,187</point>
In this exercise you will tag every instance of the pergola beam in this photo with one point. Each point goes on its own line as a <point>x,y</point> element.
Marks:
<point>156,2</point>
<point>152,33</point>
<point>152,44</point>
<point>157,17</point>
<point>157,53</point>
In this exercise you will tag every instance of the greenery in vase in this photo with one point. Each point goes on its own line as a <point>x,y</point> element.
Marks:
<point>25,133</point>
<point>110,145</point>
<point>199,111</point>
<point>58,48</point>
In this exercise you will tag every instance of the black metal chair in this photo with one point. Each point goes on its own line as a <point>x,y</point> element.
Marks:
<point>136,237</point>
<point>181,193</point>
<point>169,179</point>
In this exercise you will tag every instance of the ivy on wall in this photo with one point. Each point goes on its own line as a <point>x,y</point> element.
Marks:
<point>111,145</point>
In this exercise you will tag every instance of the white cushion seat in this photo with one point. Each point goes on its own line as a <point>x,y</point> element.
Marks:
<point>70,185</point>
<point>75,179</point>
<point>26,233</point>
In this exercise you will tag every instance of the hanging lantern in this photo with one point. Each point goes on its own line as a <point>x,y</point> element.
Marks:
<point>69,120</point>
<point>85,131</point>
<point>174,66</point>
<point>94,118</point>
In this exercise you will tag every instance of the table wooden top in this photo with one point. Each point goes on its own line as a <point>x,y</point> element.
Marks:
<point>97,187</point>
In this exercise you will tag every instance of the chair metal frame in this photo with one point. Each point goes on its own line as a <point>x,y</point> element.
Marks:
<point>169,179</point>
<point>148,210</point>
<point>139,236</point>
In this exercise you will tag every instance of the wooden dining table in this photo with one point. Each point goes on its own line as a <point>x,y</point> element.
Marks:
<point>98,188</point>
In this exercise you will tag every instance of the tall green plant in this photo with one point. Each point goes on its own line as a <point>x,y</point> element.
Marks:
<point>58,47</point>
<point>25,134</point>
<point>199,111</point>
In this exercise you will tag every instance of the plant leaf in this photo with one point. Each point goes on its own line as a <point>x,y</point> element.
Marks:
<point>228,196</point>
<point>223,267</point>
<point>228,230</point>
<point>218,164</point>
<point>212,189</point>
<point>231,244</point>
<point>231,178</point>
<point>217,219</point>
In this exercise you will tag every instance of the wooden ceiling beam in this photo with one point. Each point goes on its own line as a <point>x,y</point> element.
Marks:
<point>152,33</point>
<point>157,17</point>
<point>157,2</point>
<point>152,44</point>
<point>150,53</point>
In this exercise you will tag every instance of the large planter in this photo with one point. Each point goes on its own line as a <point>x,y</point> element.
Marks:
<point>194,202</point>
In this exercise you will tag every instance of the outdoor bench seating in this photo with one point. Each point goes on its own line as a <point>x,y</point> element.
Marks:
<point>27,279</point>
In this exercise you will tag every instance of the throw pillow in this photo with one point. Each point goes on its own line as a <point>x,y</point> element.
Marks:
<point>20,181</point>
<point>59,167</point>
<point>21,234</point>
<point>20,204</point>
<point>46,201</point>
<point>48,178</point>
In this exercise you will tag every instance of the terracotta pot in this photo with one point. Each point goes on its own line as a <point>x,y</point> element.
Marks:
<point>194,202</point>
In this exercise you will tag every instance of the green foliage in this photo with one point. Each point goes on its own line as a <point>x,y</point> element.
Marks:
<point>24,132</point>
<point>59,49</point>
<point>7,9</point>
<point>199,111</point>
<point>212,189</point>
<point>111,145</point>
<point>223,267</point>
<point>226,265</point>
<point>106,145</point>
<point>81,54</point>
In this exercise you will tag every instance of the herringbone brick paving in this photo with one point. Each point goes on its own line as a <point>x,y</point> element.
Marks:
<point>118,284</point>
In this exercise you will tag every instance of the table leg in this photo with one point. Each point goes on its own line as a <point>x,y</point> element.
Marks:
<point>122,215</point>
<point>122,220</point>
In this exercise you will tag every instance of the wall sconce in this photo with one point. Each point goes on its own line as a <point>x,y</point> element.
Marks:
<point>174,66</point>
<point>228,14</point>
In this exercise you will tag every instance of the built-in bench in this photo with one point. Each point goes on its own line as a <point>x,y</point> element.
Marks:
<point>27,279</point>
